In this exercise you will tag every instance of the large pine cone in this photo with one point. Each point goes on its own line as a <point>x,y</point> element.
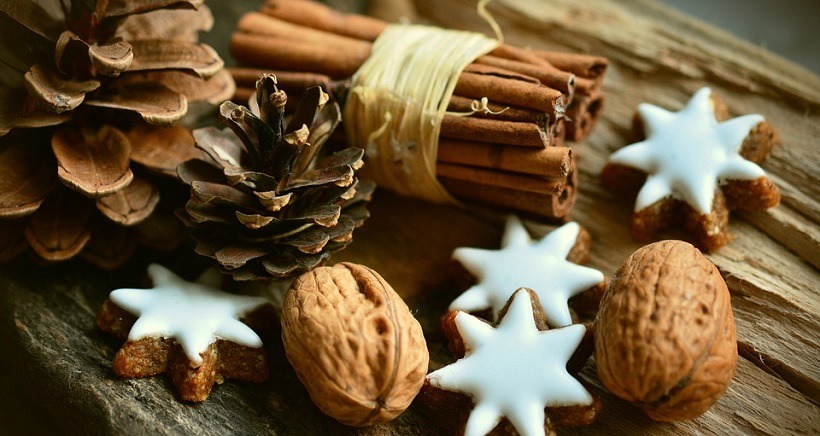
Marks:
<point>268,202</point>
<point>90,88</point>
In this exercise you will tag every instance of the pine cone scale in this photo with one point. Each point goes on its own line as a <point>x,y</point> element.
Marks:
<point>340,176</point>
<point>118,8</point>
<point>196,169</point>
<point>236,256</point>
<point>206,213</point>
<point>54,234</point>
<point>32,16</point>
<point>56,94</point>
<point>92,161</point>
<point>132,205</point>
<point>111,58</point>
<point>155,103</point>
<point>26,182</point>
<point>161,149</point>
<point>162,54</point>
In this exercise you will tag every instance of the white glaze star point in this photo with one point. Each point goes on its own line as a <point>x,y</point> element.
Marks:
<point>732,132</point>
<point>636,155</point>
<point>519,313</point>
<point>561,240</point>
<point>473,330</point>
<point>515,235</point>
<point>652,112</point>
<point>538,265</point>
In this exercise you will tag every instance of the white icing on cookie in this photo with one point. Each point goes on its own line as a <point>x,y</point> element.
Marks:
<point>687,153</point>
<point>522,262</point>
<point>195,314</point>
<point>513,370</point>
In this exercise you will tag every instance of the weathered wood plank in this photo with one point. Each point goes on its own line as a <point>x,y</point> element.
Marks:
<point>790,229</point>
<point>61,354</point>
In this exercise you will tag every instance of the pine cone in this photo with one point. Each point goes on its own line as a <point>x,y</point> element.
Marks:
<point>97,86</point>
<point>269,202</point>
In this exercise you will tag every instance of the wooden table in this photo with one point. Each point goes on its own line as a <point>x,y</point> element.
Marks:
<point>47,320</point>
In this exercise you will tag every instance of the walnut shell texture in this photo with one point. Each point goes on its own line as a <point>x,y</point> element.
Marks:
<point>665,333</point>
<point>353,343</point>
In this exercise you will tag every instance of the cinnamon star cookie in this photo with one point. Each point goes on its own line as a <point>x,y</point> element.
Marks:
<point>516,370</point>
<point>190,330</point>
<point>694,169</point>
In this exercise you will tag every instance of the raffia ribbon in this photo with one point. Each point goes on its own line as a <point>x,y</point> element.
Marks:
<point>398,98</point>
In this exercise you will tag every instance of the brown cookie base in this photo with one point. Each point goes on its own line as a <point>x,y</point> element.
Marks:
<point>222,360</point>
<point>709,232</point>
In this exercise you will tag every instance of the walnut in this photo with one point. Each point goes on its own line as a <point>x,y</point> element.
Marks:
<point>353,343</point>
<point>665,334</point>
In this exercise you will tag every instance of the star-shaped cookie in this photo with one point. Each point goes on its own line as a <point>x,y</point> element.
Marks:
<point>686,156</point>
<point>516,370</point>
<point>190,330</point>
<point>541,266</point>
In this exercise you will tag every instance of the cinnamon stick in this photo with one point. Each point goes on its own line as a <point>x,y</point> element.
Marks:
<point>261,24</point>
<point>556,207</point>
<point>295,55</point>
<point>583,113</point>
<point>557,131</point>
<point>246,77</point>
<point>545,72</point>
<point>502,179</point>
<point>490,70</point>
<point>499,111</point>
<point>511,52</point>
<point>319,16</point>
<point>587,66</point>
<point>511,91</point>
<point>551,162</point>
<point>495,131</point>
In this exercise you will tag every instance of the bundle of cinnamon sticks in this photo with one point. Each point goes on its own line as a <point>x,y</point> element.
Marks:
<point>511,156</point>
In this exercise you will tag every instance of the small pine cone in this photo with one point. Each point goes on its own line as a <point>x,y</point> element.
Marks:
<point>268,202</point>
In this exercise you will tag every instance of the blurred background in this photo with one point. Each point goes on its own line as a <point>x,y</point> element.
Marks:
<point>786,27</point>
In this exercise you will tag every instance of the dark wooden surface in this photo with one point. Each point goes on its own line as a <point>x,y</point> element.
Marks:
<point>56,353</point>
